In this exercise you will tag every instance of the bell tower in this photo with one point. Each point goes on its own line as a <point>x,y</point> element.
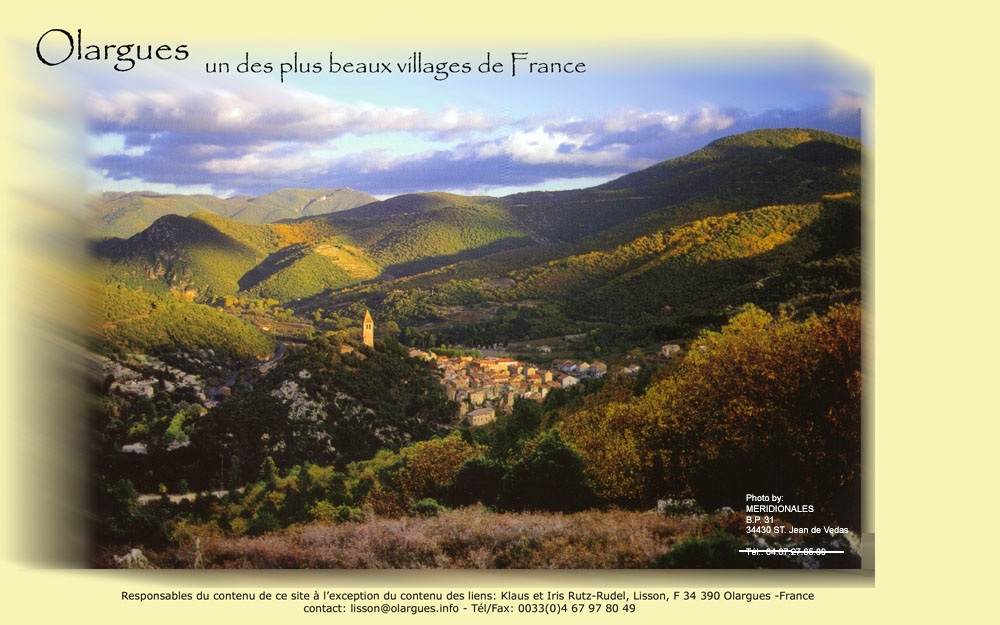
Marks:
<point>368,330</point>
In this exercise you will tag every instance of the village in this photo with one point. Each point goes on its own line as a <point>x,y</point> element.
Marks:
<point>484,387</point>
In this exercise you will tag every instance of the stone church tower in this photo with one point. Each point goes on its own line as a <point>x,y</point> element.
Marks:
<point>368,330</point>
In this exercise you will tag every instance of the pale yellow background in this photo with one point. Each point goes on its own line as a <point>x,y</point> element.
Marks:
<point>931,335</point>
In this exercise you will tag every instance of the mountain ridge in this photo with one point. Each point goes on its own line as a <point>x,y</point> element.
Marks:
<point>123,214</point>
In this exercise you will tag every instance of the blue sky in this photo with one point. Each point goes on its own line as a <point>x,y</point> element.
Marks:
<point>157,128</point>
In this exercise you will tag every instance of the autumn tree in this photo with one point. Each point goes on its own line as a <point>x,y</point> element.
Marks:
<point>767,403</point>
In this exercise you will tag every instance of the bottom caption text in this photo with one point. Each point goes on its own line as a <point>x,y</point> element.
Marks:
<point>470,602</point>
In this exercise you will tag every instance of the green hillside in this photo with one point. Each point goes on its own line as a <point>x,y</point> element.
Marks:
<point>129,321</point>
<point>705,266</point>
<point>301,270</point>
<point>190,253</point>
<point>424,226</point>
<point>208,256</point>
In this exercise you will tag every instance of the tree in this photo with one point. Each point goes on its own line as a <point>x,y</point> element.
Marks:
<point>477,481</point>
<point>506,435</point>
<point>621,457</point>
<point>429,467</point>
<point>117,508</point>
<point>269,473</point>
<point>550,476</point>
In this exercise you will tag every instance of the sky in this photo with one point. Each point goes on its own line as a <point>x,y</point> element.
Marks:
<point>176,127</point>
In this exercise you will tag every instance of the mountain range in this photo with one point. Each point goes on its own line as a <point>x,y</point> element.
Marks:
<point>771,217</point>
<point>124,214</point>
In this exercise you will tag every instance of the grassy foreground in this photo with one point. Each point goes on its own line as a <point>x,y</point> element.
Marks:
<point>470,537</point>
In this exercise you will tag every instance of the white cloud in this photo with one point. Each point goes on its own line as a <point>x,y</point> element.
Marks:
<point>705,120</point>
<point>258,164</point>
<point>607,142</point>
<point>114,143</point>
<point>631,121</point>
<point>544,146</point>
<point>267,114</point>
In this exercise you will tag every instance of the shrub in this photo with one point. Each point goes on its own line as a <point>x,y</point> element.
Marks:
<point>262,523</point>
<point>427,507</point>
<point>326,512</point>
<point>718,551</point>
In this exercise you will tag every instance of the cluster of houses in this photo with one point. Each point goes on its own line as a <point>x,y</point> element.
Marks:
<point>596,369</point>
<point>483,385</point>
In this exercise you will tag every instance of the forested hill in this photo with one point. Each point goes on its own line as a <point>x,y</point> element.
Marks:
<point>401,232</point>
<point>740,172</point>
